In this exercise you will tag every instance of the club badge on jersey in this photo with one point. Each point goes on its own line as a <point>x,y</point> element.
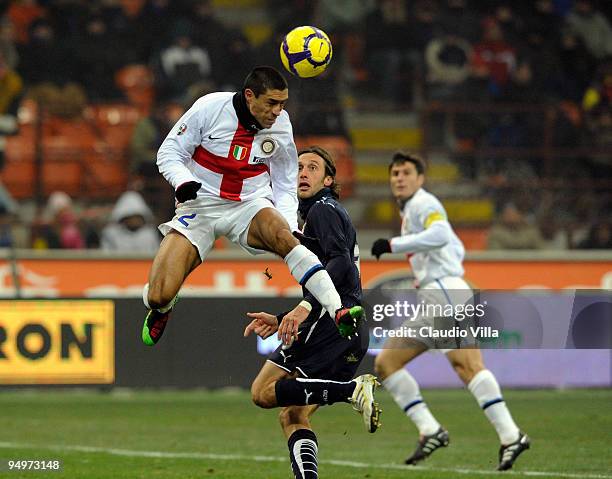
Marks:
<point>268,145</point>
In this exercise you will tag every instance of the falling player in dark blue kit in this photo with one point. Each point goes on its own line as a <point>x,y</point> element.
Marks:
<point>315,364</point>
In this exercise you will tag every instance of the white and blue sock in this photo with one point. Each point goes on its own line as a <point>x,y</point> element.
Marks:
<point>407,395</point>
<point>309,272</point>
<point>487,392</point>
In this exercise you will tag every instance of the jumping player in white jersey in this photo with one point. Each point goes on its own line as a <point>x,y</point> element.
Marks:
<point>232,161</point>
<point>436,256</point>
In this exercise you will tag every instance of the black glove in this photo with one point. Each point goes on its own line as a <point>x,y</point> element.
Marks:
<point>380,247</point>
<point>187,191</point>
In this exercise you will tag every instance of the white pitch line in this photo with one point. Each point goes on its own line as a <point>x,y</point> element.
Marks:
<point>332,462</point>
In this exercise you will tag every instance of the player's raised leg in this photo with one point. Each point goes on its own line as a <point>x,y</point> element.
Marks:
<point>484,387</point>
<point>301,440</point>
<point>176,258</point>
<point>270,231</point>
<point>390,368</point>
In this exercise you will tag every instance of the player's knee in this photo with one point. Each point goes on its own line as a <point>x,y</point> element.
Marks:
<point>384,365</point>
<point>467,369</point>
<point>259,398</point>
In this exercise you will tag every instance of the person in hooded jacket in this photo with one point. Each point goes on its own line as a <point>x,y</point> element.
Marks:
<point>130,228</point>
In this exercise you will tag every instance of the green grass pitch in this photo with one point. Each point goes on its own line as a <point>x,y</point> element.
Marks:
<point>221,435</point>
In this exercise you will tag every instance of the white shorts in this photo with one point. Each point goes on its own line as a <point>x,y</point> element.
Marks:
<point>203,220</point>
<point>450,290</point>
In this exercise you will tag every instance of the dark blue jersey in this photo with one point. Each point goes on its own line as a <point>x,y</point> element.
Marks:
<point>334,240</point>
<point>320,351</point>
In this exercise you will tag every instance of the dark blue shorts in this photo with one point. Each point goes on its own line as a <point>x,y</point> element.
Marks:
<point>321,353</point>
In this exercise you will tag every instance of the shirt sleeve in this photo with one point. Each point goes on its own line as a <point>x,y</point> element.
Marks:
<point>283,178</point>
<point>431,217</point>
<point>177,149</point>
<point>326,225</point>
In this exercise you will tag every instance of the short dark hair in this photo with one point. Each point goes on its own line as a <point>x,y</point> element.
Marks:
<point>263,78</point>
<point>330,165</point>
<point>401,157</point>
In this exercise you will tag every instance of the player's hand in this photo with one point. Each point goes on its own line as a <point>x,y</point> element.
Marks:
<point>187,191</point>
<point>380,247</point>
<point>263,325</point>
<point>288,328</point>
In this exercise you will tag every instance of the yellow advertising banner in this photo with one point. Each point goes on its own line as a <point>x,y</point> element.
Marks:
<point>57,342</point>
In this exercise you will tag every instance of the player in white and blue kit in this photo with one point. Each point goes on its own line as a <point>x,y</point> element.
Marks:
<point>232,162</point>
<point>436,255</point>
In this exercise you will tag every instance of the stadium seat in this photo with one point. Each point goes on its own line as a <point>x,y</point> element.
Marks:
<point>137,83</point>
<point>63,175</point>
<point>113,123</point>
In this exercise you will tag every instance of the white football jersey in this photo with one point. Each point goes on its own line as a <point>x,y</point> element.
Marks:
<point>429,263</point>
<point>209,145</point>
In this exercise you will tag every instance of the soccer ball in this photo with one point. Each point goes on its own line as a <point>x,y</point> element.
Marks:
<point>306,51</point>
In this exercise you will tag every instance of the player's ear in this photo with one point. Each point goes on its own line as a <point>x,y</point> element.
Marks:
<point>328,181</point>
<point>249,94</point>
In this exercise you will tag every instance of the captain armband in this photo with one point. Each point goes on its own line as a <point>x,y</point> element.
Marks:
<point>433,217</point>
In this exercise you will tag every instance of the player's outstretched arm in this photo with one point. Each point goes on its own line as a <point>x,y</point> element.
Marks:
<point>263,325</point>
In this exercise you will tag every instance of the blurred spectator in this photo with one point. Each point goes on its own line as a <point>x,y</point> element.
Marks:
<point>148,135</point>
<point>597,106</point>
<point>151,25</point>
<point>425,18</point>
<point>514,232</point>
<point>7,43</point>
<point>543,22</point>
<point>44,48</point>
<point>457,20</point>
<point>592,27</point>
<point>130,229</point>
<point>180,65</point>
<point>97,56</point>
<point>230,52</point>
<point>576,66</point>
<point>494,58</point>
<point>22,13</point>
<point>11,88</point>
<point>58,227</point>
<point>389,58</point>
<point>522,87</point>
<point>553,237</point>
<point>510,21</point>
<point>13,233</point>
<point>318,110</point>
<point>342,16</point>
<point>600,237</point>
<point>599,93</point>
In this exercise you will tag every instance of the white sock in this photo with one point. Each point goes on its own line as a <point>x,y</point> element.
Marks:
<point>145,300</point>
<point>309,272</point>
<point>485,389</point>
<point>405,391</point>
